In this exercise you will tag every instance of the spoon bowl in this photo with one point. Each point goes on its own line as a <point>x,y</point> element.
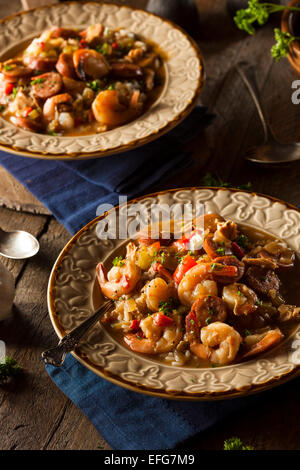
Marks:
<point>18,244</point>
<point>270,151</point>
<point>273,152</point>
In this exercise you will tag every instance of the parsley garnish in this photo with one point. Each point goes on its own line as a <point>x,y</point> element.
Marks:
<point>15,91</point>
<point>166,306</point>
<point>118,261</point>
<point>234,443</point>
<point>7,67</point>
<point>248,333</point>
<point>9,368</point>
<point>102,49</point>
<point>2,107</point>
<point>208,320</point>
<point>242,240</point>
<point>111,87</point>
<point>37,80</point>
<point>209,180</point>
<point>95,85</point>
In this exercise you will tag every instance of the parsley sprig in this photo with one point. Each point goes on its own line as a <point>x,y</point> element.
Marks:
<point>9,368</point>
<point>210,180</point>
<point>235,443</point>
<point>282,44</point>
<point>259,13</point>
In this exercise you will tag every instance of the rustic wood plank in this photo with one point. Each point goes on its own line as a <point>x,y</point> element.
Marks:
<point>33,406</point>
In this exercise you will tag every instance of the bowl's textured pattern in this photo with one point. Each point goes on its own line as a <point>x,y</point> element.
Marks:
<point>184,75</point>
<point>73,279</point>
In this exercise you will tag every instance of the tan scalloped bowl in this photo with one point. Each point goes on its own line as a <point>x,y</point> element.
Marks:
<point>184,79</point>
<point>71,298</point>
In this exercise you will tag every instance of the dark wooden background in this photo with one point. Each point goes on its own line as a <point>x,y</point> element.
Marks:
<point>34,414</point>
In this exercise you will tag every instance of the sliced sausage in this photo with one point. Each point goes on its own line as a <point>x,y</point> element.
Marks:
<point>47,85</point>
<point>89,63</point>
<point>65,65</point>
<point>27,123</point>
<point>126,70</point>
<point>263,281</point>
<point>14,69</point>
<point>43,64</point>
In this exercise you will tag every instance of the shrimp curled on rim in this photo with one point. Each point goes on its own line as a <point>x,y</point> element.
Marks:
<point>155,339</point>
<point>121,279</point>
<point>270,340</point>
<point>220,343</point>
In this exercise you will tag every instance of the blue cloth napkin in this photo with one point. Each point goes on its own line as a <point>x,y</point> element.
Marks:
<point>72,190</point>
<point>132,421</point>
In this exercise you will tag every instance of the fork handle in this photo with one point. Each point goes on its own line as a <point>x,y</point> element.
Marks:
<point>56,356</point>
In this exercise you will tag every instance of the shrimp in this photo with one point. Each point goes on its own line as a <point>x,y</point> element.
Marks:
<point>121,279</point>
<point>108,110</point>
<point>50,106</point>
<point>272,338</point>
<point>219,343</point>
<point>155,339</point>
<point>205,310</point>
<point>201,280</point>
<point>157,291</point>
<point>90,64</point>
<point>198,281</point>
<point>240,298</point>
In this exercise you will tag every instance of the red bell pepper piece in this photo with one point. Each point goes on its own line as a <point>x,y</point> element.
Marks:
<point>182,243</point>
<point>162,320</point>
<point>83,44</point>
<point>237,250</point>
<point>27,111</point>
<point>115,45</point>
<point>8,88</point>
<point>134,326</point>
<point>186,264</point>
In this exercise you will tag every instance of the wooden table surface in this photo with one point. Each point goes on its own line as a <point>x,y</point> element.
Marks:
<point>34,413</point>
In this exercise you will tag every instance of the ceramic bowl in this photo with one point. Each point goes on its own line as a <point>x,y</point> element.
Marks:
<point>183,67</point>
<point>73,294</point>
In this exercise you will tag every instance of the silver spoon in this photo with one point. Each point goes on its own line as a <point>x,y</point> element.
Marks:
<point>56,356</point>
<point>270,151</point>
<point>18,244</point>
